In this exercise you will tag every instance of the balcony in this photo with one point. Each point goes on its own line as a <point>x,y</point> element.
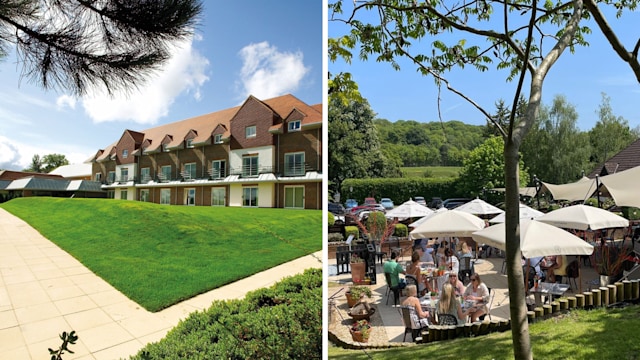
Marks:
<point>217,173</point>
<point>296,169</point>
<point>251,171</point>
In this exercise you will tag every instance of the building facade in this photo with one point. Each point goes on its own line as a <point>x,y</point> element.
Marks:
<point>259,154</point>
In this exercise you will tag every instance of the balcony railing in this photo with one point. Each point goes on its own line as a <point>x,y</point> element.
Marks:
<point>217,173</point>
<point>251,171</point>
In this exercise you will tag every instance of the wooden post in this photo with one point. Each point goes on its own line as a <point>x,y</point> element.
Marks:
<point>451,331</point>
<point>588,298</point>
<point>546,308</point>
<point>555,307</point>
<point>604,291</point>
<point>597,297</point>
<point>505,325</point>
<point>619,292</point>
<point>475,328</point>
<point>467,329</point>
<point>539,313</point>
<point>612,294</point>
<point>531,316</point>
<point>626,284</point>
<point>564,304</point>
<point>572,302</point>
<point>580,301</point>
<point>484,328</point>
<point>432,333</point>
<point>635,289</point>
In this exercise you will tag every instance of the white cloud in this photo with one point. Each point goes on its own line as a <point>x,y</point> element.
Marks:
<point>268,73</point>
<point>65,101</point>
<point>17,156</point>
<point>184,72</point>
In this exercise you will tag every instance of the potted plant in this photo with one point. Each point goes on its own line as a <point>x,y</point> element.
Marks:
<point>360,331</point>
<point>358,269</point>
<point>357,292</point>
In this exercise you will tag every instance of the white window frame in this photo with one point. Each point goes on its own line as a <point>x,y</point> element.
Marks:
<point>188,192</point>
<point>190,144</point>
<point>217,139</point>
<point>293,188</point>
<point>294,125</point>
<point>222,169</point>
<point>124,174</point>
<point>251,189</point>
<point>214,199</point>
<point>98,177</point>
<point>165,148</point>
<point>163,172</point>
<point>143,197</point>
<point>124,194</point>
<point>250,131</point>
<point>142,174</point>
<point>193,169</point>
<point>111,177</point>
<point>251,172</point>
<point>165,193</point>
<point>125,153</point>
<point>295,169</point>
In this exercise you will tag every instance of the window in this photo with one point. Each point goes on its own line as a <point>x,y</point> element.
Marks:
<point>250,196</point>
<point>218,196</point>
<point>218,169</point>
<point>124,174</point>
<point>250,165</point>
<point>98,177</point>
<point>165,196</point>
<point>294,197</point>
<point>189,171</point>
<point>217,139</point>
<point>144,195</point>
<point>189,143</point>
<point>145,175</point>
<point>190,197</point>
<point>294,125</point>
<point>111,177</point>
<point>165,173</point>
<point>165,148</point>
<point>125,153</point>
<point>111,194</point>
<point>294,164</point>
<point>250,131</point>
<point>123,194</point>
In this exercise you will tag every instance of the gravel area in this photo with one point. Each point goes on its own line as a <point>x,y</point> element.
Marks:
<point>341,323</point>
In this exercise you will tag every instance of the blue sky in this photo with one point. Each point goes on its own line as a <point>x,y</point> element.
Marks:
<point>262,48</point>
<point>581,77</point>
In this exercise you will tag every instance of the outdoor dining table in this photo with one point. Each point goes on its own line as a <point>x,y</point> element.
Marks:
<point>550,289</point>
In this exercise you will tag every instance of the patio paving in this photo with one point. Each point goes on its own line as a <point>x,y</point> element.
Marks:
<point>490,270</point>
<point>45,291</point>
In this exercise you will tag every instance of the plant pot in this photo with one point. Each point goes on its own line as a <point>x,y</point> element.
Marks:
<point>358,337</point>
<point>357,272</point>
<point>351,300</point>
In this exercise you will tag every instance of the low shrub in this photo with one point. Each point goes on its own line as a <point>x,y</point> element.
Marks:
<point>280,322</point>
<point>331,219</point>
<point>352,230</point>
<point>401,230</point>
<point>335,237</point>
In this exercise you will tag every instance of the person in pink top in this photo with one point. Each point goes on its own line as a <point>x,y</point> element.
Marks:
<point>458,286</point>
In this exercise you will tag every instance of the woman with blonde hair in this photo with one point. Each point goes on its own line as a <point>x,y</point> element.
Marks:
<point>413,301</point>
<point>478,293</point>
<point>449,304</point>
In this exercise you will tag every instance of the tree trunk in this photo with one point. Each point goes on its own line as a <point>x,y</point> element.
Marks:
<point>517,305</point>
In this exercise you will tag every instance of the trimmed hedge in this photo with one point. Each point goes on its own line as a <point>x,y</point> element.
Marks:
<point>401,230</point>
<point>280,322</point>
<point>400,189</point>
<point>352,230</point>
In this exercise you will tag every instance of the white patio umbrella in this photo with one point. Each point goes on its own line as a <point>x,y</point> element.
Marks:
<point>525,213</point>
<point>583,217</point>
<point>479,207</point>
<point>448,223</point>
<point>536,239</point>
<point>417,223</point>
<point>409,209</point>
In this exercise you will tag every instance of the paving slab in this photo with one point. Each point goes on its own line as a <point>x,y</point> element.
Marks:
<point>45,291</point>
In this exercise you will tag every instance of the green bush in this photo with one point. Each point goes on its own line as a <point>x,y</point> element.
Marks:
<point>401,230</point>
<point>376,224</point>
<point>331,219</point>
<point>280,322</point>
<point>401,189</point>
<point>631,213</point>
<point>335,237</point>
<point>352,230</point>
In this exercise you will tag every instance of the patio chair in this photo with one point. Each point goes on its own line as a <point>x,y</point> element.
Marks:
<point>465,270</point>
<point>411,280</point>
<point>491,296</point>
<point>394,289</point>
<point>573,272</point>
<point>412,323</point>
<point>447,319</point>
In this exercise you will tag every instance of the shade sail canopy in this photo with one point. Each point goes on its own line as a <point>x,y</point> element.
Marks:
<point>624,187</point>
<point>583,217</point>
<point>417,223</point>
<point>576,191</point>
<point>479,207</point>
<point>409,209</point>
<point>524,211</point>
<point>448,223</point>
<point>536,239</point>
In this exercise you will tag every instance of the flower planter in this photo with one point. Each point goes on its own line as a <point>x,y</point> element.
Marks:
<point>351,300</point>
<point>357,272</point>
<point>359,337</point>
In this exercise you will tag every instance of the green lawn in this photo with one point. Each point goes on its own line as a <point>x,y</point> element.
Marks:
<point>580,334</point>
<point>432,171</point>
<point>159,255</point>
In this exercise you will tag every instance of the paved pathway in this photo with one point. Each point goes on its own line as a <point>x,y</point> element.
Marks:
<point>45,291</point>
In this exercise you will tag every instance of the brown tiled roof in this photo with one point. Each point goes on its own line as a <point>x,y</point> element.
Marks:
<point>204,125</point>
<point>15,175</point>
<point>627,158</point>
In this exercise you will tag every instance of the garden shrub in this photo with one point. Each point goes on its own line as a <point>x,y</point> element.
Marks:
<point>401,230</point>
<point>352,230</point>
<point>280,322</point>
<point>401,189</point>
<point>376,224</point>
<point>331,219</point>
<point>335,237</point>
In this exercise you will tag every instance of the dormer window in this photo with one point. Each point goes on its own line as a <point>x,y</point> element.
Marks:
<point>165,148</point>
<point>250,131</point>
<point>217,139</point>
<point>189,143</point>
<point>294,125</point>
<point>125,153</point>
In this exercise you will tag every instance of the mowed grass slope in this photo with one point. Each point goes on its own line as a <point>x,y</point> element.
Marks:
<point>159,255</point>
<point>433,171</point>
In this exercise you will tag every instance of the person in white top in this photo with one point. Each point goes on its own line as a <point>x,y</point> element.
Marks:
<point>451,260</point>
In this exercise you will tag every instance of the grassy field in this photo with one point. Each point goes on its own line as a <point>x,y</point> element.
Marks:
<point>432,171</point>
<point>159,255</point>
<point>581,334</point>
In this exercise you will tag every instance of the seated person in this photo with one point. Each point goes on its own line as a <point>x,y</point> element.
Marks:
<point>427,254</point>
<point>451,260</point>
<point>394,269</point>
<point>449,304</point>
<point>458,286</point>
<point>477,292</point>
<point>413,301</point>
<point>414,270</point>
<point>550,264</point>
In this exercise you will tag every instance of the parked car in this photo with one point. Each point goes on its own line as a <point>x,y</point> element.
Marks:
<point>336,208</point>
<point>350,203</point>
<point>420,200</point>
<point>386,203</point>
<point>370,201</point>
<point>454,202</point>
<point>436,203</point>
<point>377,207</point>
